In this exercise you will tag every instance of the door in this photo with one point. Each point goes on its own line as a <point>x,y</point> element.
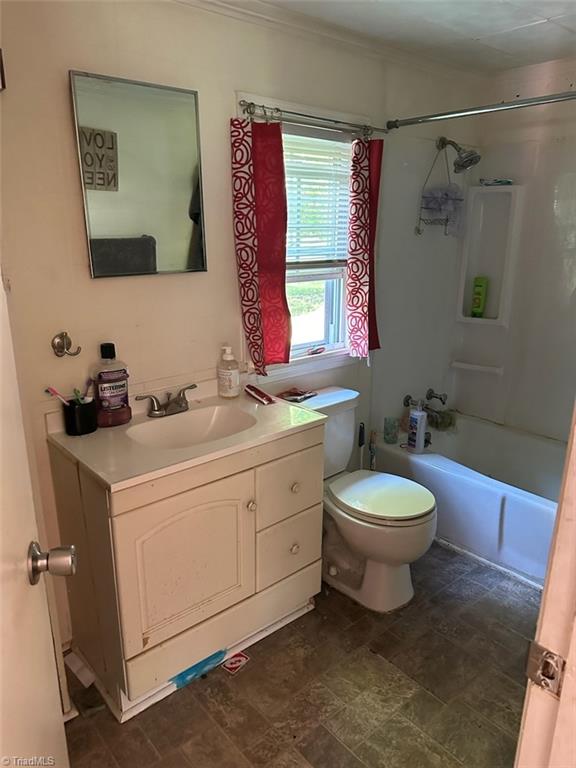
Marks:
<point>183,559</point>
<point>548,734</point>
<point>31,722</point>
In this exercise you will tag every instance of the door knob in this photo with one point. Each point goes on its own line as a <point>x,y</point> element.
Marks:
<point>295,487</point>
<point>60,561</point>
<point>252,506</point>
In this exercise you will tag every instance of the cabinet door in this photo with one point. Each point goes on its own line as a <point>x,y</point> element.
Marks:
<point>183,559</point>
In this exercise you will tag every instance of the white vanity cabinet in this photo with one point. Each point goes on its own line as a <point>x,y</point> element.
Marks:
<point>194,562</point>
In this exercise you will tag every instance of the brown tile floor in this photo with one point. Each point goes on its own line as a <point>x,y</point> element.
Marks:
<point>437,683</point>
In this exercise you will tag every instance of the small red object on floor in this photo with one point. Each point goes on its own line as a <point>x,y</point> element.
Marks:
<point>235,663</point>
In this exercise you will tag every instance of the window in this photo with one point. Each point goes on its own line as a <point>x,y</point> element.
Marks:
<point>317,177</point>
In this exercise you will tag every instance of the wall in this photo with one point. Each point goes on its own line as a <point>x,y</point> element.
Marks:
<point>536,148</point>
<point>168,327</point>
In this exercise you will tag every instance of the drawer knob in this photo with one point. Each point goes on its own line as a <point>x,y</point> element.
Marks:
<point>252,506</point>
<point>295,487</point>
<point>294,549</point>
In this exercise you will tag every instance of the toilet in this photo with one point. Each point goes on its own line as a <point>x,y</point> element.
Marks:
<point>375,524</point>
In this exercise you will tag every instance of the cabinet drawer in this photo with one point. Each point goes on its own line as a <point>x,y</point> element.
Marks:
<point>286,547</point>
<point>289,485</point>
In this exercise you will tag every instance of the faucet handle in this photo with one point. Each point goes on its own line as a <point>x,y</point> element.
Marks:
<point>431,395</point>
<point>156,408</point>
<point>182,392</point>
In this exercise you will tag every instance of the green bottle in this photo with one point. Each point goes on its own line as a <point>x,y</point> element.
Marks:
<point>479,295</point>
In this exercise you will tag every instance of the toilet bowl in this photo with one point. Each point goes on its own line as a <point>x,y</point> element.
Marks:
<point>389,522</point>
<point>383,522</point>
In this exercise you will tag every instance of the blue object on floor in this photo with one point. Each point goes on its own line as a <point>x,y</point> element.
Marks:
<point>196,670</point>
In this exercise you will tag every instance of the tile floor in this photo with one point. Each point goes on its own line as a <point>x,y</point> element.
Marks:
<point>438,683</point>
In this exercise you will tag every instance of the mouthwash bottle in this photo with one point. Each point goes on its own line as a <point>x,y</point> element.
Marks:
<point>110,377</point>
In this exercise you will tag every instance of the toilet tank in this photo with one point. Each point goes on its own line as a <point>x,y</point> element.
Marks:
<point>338,404</point>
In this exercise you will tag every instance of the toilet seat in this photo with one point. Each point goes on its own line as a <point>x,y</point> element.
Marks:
<point>381,499</point>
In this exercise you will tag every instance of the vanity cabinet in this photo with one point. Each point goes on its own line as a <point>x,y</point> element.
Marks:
<point>186,565</point>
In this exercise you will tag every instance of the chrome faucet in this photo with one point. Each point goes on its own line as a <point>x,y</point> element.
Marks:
<point>431,395</point>
<point>176,404</point>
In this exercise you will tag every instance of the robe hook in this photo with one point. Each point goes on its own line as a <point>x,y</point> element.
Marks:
<point>62,344</point>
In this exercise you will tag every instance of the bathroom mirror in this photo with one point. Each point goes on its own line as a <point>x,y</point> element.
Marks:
<point>139,154</point>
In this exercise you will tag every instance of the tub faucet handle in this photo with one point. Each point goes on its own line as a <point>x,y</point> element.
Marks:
<point>408,401</point>
<point>431,395</point>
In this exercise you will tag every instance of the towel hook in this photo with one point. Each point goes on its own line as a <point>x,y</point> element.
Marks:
<point>62,344</point>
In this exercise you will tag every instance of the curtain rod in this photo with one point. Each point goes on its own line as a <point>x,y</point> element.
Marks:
<point>274,113</point>
<point>500,107</point>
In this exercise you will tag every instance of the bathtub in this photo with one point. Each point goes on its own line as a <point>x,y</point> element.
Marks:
<point>496,489</point>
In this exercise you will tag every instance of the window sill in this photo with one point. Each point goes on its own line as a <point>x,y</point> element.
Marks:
<point>310,364</point>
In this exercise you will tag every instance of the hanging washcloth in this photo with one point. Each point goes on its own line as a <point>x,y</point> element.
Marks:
<point>442,204</point>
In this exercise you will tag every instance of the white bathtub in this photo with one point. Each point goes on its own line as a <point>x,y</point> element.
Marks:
<point>496,490</point>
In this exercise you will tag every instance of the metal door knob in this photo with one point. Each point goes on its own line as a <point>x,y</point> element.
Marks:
<point>252,506</point>
<point>295,487</point>
<point>294,549</point>
<point>60,561</point>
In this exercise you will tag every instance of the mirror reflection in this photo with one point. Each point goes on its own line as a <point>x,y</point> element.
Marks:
<point>139,153</point>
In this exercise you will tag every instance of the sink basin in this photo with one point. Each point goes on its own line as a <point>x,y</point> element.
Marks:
<point>200,425</point>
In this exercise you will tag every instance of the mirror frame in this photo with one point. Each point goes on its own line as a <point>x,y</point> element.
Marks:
<point>79,73</point>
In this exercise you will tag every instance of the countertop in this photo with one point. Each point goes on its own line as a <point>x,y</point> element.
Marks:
<point>120,462</point>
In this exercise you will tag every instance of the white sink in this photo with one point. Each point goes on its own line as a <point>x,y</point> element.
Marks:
<point>200,425</point>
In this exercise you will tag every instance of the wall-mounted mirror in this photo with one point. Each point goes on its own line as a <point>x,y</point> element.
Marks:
<point>139,152</point>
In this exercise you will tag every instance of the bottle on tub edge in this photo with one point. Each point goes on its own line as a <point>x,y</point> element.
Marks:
<point>110,377</point>
<point>228,374</point>
<point>417,429</point>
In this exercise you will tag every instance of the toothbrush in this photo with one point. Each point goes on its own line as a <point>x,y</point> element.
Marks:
<point>86,388</point>
<point>77,396</point>
<point>55,393</point>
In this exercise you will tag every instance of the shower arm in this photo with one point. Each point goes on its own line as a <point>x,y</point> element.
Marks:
<point>443,142</point>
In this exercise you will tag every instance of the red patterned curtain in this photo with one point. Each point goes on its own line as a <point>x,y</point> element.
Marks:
<point>360,274</point>
<point>260,218</point>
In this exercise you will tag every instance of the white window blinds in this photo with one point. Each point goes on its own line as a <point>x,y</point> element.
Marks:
<point>317,178</point>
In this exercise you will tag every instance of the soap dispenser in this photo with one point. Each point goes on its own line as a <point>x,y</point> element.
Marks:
<point>228,374</point>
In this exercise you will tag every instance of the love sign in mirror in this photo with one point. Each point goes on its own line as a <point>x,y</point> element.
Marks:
<point>139,152</point>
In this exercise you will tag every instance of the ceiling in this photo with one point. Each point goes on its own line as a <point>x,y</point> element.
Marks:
<point>478,35</point>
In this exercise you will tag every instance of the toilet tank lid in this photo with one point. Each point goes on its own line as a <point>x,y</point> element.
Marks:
<point>333,400</point>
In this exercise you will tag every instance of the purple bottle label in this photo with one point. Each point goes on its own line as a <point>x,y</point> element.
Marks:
<point>112,387</point>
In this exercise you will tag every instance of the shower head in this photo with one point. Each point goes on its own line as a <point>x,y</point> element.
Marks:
<point>465,158</point>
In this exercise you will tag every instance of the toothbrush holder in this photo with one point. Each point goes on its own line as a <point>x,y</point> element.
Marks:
<point>80,418</point>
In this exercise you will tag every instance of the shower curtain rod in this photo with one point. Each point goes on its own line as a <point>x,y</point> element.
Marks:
<point>273,113</point>
<point>502,106</point>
